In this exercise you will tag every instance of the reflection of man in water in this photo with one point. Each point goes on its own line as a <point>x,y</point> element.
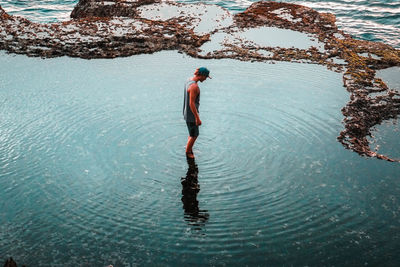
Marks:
<point>190,187</point>
<point>191,107</point>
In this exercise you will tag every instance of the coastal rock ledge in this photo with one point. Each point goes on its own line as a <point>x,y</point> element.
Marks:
<point>117,28</point>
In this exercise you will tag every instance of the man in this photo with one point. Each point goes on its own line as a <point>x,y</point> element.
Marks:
<point>191,107</point>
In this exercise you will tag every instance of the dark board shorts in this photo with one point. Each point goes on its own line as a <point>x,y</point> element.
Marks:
<point>193,129</point>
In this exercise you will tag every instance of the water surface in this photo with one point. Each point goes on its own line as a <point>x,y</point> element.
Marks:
<point>387,133</point>
<point>92,155</point>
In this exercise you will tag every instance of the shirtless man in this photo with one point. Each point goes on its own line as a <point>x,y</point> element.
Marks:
<point>191,107</point>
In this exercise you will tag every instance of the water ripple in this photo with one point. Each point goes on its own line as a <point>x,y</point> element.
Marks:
<point>89,172</point>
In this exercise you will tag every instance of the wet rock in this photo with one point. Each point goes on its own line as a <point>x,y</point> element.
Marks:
<point>108,8</point>
<point>287,16</point>
<point>11,263</point>
<point>94,37</point>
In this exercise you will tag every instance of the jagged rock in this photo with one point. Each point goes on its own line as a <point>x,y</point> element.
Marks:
<point>10,263</point>
<point>287,16</point>
<point>108,8</point>
<point>95,37</point>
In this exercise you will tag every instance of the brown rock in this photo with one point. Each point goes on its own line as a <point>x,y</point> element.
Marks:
<point>120,8</point>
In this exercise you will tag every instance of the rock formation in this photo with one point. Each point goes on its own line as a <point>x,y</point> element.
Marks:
<point>115,28</point>
<point>11,263</point>
<point>90,8</point>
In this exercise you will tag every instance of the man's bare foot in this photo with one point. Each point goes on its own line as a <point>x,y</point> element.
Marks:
<point>190,155</point>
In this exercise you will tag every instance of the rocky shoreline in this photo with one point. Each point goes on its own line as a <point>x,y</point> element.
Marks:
<point>116,28</point>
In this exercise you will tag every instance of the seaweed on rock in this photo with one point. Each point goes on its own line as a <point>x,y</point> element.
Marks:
<point>116,28</point>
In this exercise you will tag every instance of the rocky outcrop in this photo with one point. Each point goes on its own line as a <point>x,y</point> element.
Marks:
<point>115,28</point>
<point>287,16</point>
<point>2,12</point>
<point>11,263</point>
<point>364,110</point>
<point>95,37</point>
<point>109,8</point>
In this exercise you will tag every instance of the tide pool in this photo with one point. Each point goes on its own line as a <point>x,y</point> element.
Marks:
<point>92,154</point>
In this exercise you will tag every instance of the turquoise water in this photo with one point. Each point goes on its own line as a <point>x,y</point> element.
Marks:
<point>377,20</point>
<point>92,155</point>
<point>40,11</point>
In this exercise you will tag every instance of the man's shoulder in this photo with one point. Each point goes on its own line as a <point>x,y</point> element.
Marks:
<point>194,85</point>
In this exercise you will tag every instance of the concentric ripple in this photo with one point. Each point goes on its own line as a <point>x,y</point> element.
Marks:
<point>92,152</point>
<point>92,155</point>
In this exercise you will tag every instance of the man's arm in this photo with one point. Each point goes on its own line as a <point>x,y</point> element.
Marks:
<point>193,93</point>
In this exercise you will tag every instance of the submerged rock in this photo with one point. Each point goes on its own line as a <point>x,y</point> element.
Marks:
<point>11,263</point>
<point>115,28</point>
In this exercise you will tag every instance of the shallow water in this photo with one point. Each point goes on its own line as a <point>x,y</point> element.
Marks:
<point>391,76</point>
<point>279,38</point>
<point>92,154</point>
<point>257,37</point>
<point>387,134</point>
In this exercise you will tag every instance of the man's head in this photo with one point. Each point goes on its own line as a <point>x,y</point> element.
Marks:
<point>203,73</point>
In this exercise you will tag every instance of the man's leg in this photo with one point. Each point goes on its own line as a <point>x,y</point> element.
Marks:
<point>193,133</point>
<point>190,143</point>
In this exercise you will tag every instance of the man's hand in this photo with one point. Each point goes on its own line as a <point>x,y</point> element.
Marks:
<point>198,121</point>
